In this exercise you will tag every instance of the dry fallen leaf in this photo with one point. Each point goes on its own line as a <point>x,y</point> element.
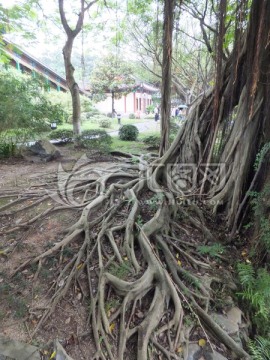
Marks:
<point>53,355</point>
<point>202,342</point>
<point>111,327</point>
<point>179,263</point>
<point>68,320</point>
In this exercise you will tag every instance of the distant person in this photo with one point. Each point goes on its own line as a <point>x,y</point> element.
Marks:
<point>176,112</point>
<point>156,112</point>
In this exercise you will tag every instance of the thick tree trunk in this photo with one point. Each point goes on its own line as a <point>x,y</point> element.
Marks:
<point>169,6</point>
<point>232,141</point>
<point>73,86</point>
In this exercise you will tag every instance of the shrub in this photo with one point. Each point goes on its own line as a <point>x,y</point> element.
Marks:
<point>23,105</point>
<point>174,128</point>
<point>150,108</point>
<point>7,148</point>
<point>131,116</point>
<point>149,116</point>
<point>152,140</point>
<point>128,132</point>
<point>66,136</point>
<point>97,118</point>
<point>94,140</point>
<point>105,122</point>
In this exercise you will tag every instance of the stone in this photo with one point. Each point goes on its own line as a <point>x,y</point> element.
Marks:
<point>231,327</point>
<point>235,315</point>
<point>45,150</point>
<point>17,350</point>
<point>193,350</point>
<point>218,356</point>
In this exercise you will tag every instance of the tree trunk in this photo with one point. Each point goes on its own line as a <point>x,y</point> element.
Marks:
<point>73,86</point>
<point>71,33</point>
<point>220,154</point>
<point>169,6</point>
<point>113,109</point>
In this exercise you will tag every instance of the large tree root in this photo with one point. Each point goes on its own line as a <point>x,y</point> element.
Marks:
<point>130,266</point>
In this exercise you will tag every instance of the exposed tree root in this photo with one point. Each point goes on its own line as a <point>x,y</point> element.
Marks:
<point>130,266</point>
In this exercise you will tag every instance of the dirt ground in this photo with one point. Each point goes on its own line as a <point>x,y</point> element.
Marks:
<point>23,296</point>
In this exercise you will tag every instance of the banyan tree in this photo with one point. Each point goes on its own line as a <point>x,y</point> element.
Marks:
<point>141,220</point>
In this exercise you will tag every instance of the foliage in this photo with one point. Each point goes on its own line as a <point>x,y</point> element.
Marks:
<point>152,140</point>
<point>13,19</point>
<point>150,108</point>
<point>94,140</point>
<point>259,348</point>
<point>260,156</point>
<point>7,147</point>
<point>256,293</point>
<point>128,132</point>
<point>23,105</point>
<point>211,250</point>
<point>105,122</point>
<point>174,128</point>
<point>64,135</point>
<point>155,201</point>
<point>111,75</point>
<point>131,116</point>
<point>63,99</point>
<point>259,208</point>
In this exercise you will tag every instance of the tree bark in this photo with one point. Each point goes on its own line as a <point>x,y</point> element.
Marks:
<point>238,133</point>
<point>73,87</point>
<point>69,68</point>
<point>169,6</point>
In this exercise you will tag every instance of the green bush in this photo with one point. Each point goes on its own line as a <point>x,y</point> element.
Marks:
<point>149,116</point>
<point>66,136</point>
<point>150,108</point>
<point>94,140</point>
<point>152,140</point>
<point>105,122</point>
<point>174,128</point>
<point>7,148</point>
<point>91,113</point>
<point>132,116</point>
<point>23,105</point>
<point>128,133</point>
<point>97,118</point>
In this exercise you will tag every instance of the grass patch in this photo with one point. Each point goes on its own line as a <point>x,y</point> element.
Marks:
<point>133,147</point>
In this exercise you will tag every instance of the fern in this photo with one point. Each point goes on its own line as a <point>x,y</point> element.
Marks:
<point>211,250</point>
<point>256,293</point>
<point>259,348</point>
<point>246,274</point>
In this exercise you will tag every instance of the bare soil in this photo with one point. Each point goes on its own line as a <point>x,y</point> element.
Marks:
<point>22,297</point>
